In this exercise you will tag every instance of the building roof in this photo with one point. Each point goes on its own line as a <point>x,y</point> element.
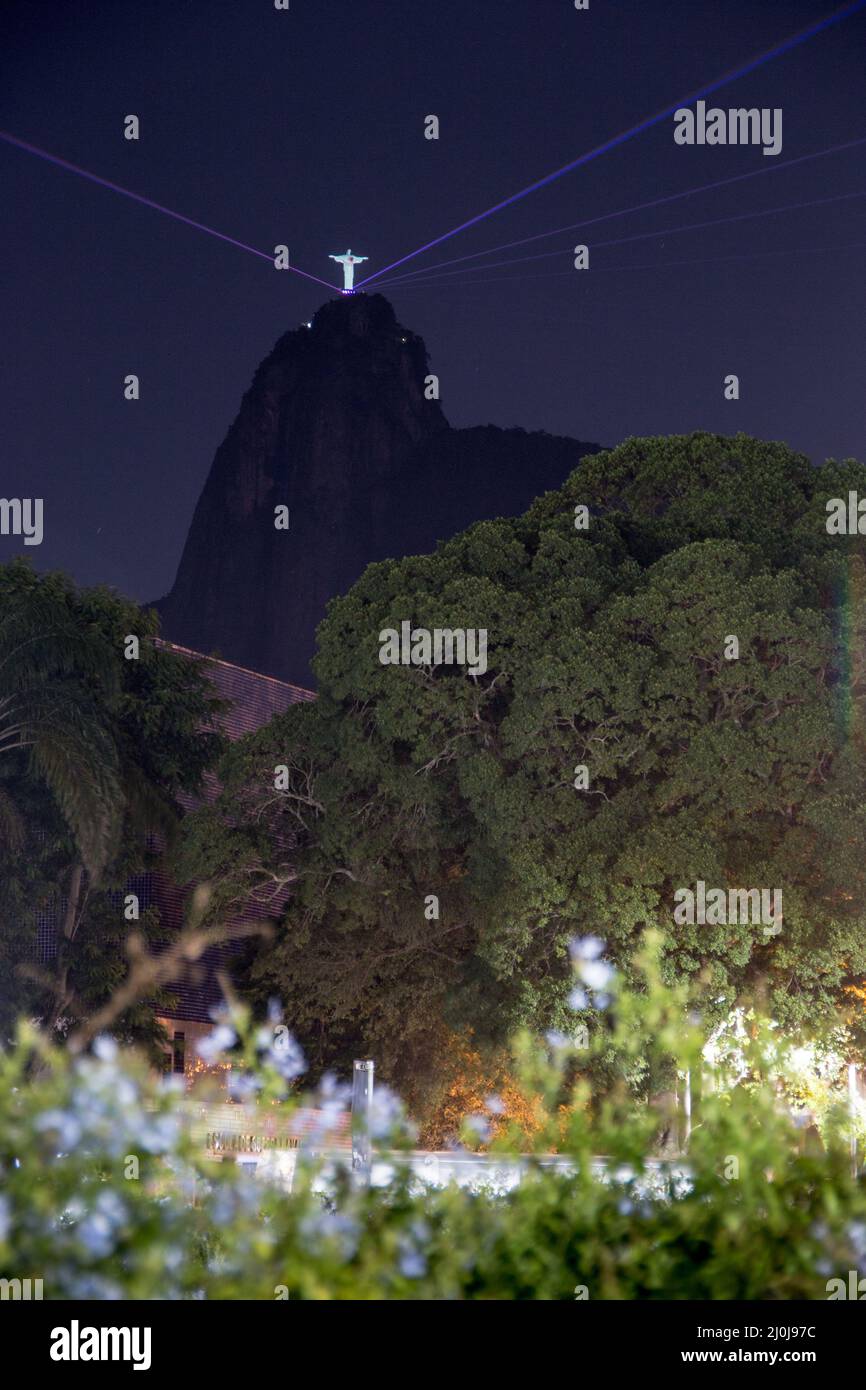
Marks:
<point>253,699</point>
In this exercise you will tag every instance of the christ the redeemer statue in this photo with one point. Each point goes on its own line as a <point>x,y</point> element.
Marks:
<point>348,262</point>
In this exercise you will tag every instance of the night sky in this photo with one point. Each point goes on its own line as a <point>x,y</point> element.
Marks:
<point>307,128</point>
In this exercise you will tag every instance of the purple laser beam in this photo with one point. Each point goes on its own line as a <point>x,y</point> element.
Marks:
<point>639,207</point>
<point>148,202</point>
<point>658,265</point>
<point>785,46</point>
<point>647,236</point>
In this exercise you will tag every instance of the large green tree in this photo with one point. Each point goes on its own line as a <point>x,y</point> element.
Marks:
<point>608,648</point>
<point>94,749</point>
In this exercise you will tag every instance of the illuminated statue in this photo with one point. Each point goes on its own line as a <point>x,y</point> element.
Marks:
<point>348,262</point>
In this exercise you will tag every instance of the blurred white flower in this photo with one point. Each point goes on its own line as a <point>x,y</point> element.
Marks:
<point>597,974</point>
<point>242,1085</point>
<point>585,947</point>
<point>480,1126</point>
<point>285,1054</point>
<point>96,1235</point>
<point>386,1113</point>
<point>857,1237</point>
<point>413,1265</point>
<point>62,1123</point>
<point>217,1042</point>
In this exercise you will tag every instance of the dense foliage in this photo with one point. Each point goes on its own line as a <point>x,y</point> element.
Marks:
<point>104,1195</point>
<point>607,649</point>
<point>94,748</point>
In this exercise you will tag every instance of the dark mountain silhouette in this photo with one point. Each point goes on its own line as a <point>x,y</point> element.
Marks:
<point>337,426</point>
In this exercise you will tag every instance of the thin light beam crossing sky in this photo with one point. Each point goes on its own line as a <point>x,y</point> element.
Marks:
<point>771,168</point>
<point>785,46</point>
<point>645,265</point>
<point>645,236</point>
<point>149,203</point>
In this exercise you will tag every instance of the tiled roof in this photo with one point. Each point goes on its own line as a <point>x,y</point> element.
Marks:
<point>253,699</point>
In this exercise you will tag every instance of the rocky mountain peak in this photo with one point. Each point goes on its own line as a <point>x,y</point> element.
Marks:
<point>337,426</point>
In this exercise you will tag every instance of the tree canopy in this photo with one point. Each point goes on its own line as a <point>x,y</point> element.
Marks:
<point>94,749</point>
<point>609,650</point>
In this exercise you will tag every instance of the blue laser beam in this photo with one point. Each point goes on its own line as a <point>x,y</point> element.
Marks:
<point>773,168</point>
<point>148,202</point>
<point>646,236</point>
<point>784,46</point>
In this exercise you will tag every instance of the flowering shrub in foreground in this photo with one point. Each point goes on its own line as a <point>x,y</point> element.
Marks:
<point>104,1196</point>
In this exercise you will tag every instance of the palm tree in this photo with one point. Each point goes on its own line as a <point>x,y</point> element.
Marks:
<point>55,678</point>
<point>79,769</point>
